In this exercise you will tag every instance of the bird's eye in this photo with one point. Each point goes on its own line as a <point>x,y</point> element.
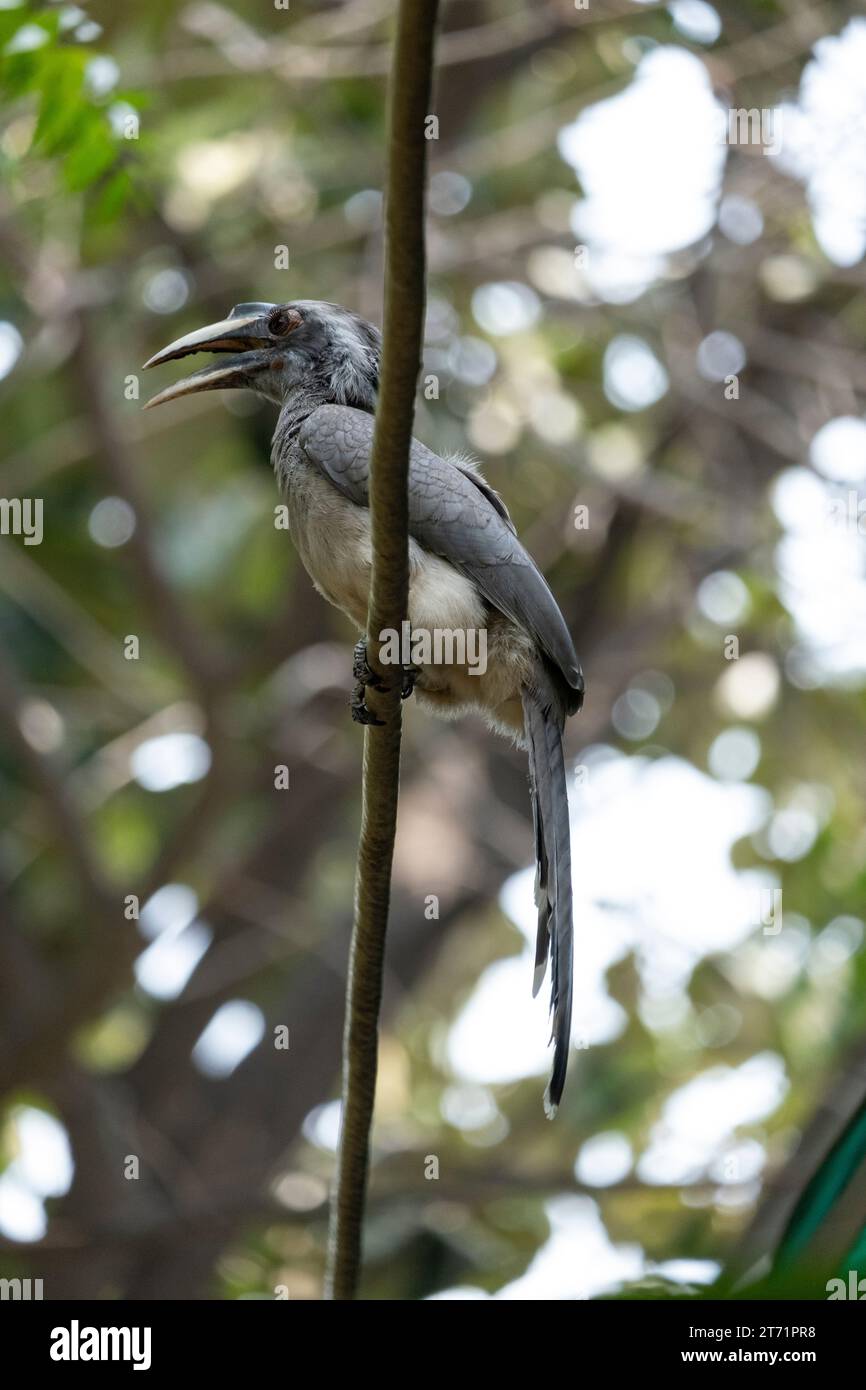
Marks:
<point>282,321</point>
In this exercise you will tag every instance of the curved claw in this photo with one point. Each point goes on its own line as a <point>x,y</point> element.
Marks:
<point>408,677</point>
<point>358,705</point>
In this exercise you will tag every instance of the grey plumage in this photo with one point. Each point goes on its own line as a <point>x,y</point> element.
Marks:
<point>452,514</point>
<point>553,893</point>
<point>468,569</point>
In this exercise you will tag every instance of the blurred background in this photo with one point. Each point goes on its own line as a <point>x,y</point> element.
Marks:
<point>645,319</point>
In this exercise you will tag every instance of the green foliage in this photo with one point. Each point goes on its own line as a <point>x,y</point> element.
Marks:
<point>50,72</point>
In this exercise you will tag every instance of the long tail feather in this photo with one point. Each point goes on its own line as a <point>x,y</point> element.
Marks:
<point>553,893</point>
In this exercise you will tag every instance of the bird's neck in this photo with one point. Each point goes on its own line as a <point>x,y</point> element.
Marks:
<point>299,402</point>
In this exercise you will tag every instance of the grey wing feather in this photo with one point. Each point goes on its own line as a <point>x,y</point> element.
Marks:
<point>452,513</point>
<point>470,470</point>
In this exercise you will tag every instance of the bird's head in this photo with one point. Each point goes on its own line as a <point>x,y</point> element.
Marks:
<point>280,349</point>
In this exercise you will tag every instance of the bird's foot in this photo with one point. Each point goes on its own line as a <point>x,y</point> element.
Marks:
<point>358,705</point>
<point>362,670</point>
<point>365,677</point>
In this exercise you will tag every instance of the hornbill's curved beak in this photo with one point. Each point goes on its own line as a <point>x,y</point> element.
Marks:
<point>245,332</point>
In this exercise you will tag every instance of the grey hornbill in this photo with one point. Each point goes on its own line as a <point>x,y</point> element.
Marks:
<point>468,571</point>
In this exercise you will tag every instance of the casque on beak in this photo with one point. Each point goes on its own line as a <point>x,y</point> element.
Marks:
<point>245,332</point>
